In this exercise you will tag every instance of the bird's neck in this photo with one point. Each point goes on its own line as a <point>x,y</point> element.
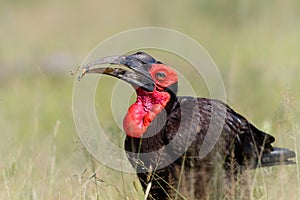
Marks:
<point>140,114</point>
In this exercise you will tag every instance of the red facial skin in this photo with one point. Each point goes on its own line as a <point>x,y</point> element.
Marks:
<point>149,104</point>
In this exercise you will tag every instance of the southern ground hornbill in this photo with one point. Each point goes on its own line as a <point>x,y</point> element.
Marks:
<point>165,134</point>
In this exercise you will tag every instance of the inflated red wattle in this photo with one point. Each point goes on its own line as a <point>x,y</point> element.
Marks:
<point>140,114</point>
<point>133,123</point>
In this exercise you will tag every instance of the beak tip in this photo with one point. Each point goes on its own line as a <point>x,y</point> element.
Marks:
<point>81,72</point>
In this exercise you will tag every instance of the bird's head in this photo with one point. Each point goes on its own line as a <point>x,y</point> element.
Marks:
<point>154,82</point>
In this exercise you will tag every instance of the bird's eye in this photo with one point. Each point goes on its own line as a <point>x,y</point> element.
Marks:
<point>160,76</point>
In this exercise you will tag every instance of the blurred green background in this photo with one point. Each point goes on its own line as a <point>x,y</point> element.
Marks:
<point>254,43</point>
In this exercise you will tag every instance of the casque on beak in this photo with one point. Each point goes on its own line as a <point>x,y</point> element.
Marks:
<point>137,75</point>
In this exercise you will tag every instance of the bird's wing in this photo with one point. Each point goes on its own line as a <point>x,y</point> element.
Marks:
<point>200,126</point>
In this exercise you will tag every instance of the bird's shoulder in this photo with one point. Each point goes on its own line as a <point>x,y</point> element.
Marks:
<point>207,111</point>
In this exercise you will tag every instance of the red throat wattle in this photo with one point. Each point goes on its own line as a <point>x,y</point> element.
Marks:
<point>140,114</point>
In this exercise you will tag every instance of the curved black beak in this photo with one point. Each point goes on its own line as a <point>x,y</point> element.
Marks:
<point>138,76</point>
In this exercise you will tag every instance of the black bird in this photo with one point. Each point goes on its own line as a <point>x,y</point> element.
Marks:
<point>165,134</point>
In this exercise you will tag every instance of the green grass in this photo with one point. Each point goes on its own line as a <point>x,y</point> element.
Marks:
<point>41,154</point>
<point>255,45</point>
